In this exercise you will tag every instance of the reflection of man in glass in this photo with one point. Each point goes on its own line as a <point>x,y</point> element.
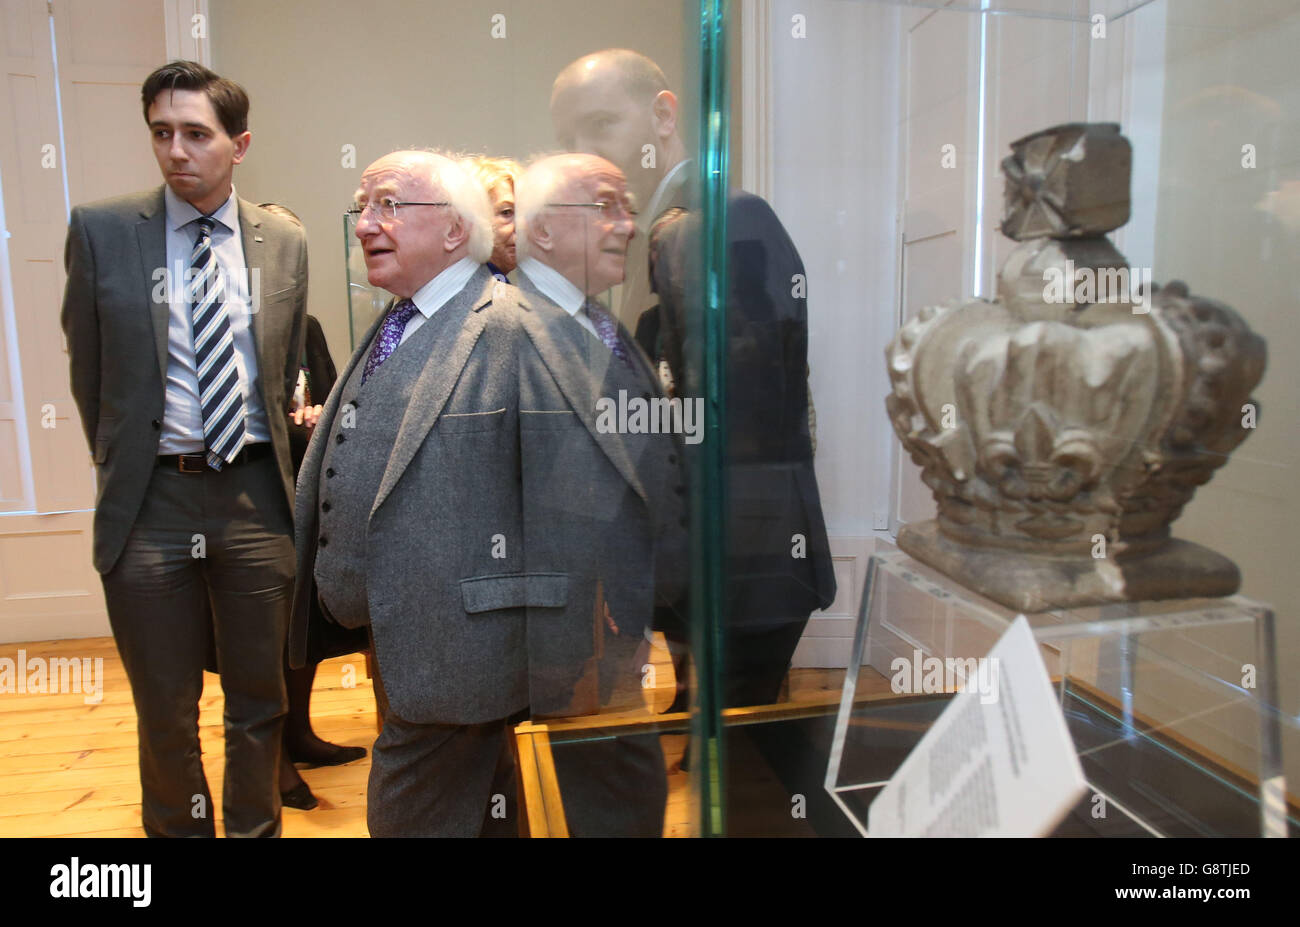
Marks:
<point>605,506</point>
<point>616,103</point>
<point>581,224</point>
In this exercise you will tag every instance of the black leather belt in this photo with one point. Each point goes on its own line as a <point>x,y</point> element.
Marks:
<point>198,463</point>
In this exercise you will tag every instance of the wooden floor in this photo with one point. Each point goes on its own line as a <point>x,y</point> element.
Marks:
<point>68,768</point>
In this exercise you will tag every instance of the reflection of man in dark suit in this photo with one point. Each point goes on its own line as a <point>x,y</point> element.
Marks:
<point>616,103</point>
<point>603,507</point>
<point>184,316</point>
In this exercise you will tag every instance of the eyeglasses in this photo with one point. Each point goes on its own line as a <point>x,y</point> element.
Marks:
<point>385,210</point>
<point>608,209</point>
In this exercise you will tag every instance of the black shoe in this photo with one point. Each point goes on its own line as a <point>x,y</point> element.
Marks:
<point>321,753</point>
<point>299,797</point>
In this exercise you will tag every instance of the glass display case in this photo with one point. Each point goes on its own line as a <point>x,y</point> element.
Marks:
<point>878,133</point>
<point>1169,704</point>
<point>836,177</point>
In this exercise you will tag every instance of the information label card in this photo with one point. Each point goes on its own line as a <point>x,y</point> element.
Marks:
<point>999,761</point>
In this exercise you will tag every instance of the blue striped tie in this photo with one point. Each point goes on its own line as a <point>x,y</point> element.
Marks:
<point>220,393</point>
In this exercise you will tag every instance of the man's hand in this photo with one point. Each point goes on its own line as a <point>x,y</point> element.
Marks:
<point>308,415</point>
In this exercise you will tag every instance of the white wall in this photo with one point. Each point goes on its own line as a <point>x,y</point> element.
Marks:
<point>834,170</point>
<point>1233,234</point>
<point>388,74</point>
<point>67,136</point>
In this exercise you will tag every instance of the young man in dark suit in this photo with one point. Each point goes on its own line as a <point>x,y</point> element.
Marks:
<point>184,313</point>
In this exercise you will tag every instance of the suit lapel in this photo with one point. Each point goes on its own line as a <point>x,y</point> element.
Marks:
<point>250,231</point>
<point>151,236</point>
<point>309,472</point>
<point>564,346</point>
<point>448,355</point>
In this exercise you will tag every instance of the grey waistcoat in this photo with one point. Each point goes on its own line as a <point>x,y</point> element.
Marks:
<point>359,445</point>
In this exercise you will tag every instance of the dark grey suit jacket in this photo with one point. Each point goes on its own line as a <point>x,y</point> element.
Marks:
<point>117,342</point>
<point>600,507</point>
<point>772,492</point>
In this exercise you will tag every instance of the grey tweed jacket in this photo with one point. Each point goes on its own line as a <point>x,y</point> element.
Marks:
<point>439,546</point>
<point>605,509</point>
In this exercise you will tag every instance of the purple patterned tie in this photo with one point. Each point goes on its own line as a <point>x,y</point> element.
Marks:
<point>390,336</point>
<point>606,329</point>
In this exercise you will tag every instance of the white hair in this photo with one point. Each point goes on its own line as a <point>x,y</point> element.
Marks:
<point>467,197</point>
<point>539,185</point>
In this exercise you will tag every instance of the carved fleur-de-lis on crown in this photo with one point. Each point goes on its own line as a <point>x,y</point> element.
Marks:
<point>1042,460</point>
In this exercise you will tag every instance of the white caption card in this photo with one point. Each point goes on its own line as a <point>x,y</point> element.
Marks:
<point>999,761</point>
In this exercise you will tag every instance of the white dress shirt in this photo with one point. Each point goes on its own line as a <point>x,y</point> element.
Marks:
<point>182,429</point>
<point>559,290</point>
<point>437,292</point>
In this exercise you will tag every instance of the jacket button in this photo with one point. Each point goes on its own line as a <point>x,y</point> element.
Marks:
<point>340,438</point>
<point>329,471</point>
<point>355,404</point>
<point>322,540</point>
<point>156,424</point>
<point>680,490</point>
<point>324,506</point>
<point>681,521</point>
<point>672,458</point>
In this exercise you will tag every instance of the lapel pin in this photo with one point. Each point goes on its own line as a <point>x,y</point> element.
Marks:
<point>257,238</point>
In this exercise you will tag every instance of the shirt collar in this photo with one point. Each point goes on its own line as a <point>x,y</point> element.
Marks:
<point>181,213</point>
<point>451,280</point>
<point>553,285</point>
<point>655,206</point>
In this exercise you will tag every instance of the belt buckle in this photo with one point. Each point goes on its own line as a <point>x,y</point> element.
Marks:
<point>191,463</point>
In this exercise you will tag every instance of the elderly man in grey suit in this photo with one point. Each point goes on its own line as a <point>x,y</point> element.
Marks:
<point>184,315</point>
<point>605,495</point>
<point>409,505</point>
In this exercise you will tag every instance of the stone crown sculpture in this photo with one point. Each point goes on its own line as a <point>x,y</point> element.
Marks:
<point>1063,426</point>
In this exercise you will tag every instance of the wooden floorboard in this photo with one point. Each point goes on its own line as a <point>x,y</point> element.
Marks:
<point>68,765</point>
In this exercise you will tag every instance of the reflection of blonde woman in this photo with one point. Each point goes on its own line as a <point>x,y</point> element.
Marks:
<point>498,175</point>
